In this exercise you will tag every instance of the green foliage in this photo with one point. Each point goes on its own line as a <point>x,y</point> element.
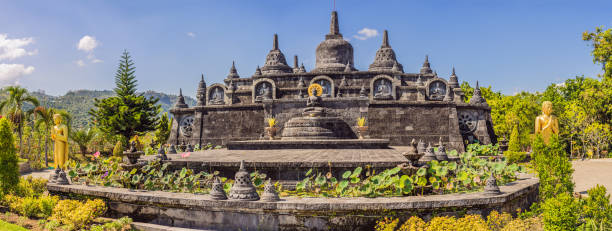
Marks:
<point>162,133</point>
<point>82,137</point>
<point>31,187</point>
<point>9,170</point>
<point>561,212</point>
<point>553,167</point>
<point>10,227</point>
<point>514,157</point>
<point>39,207</point>
<point>121,224</point>
<point>494,222</point>
<point>77,215</point>
<point>602,48</point>
<point>596,208</point>
<point>13,107</point>
<point>118,149</point>
<point>128,113</point>
<point>483,150</point>
<point>514,143</point>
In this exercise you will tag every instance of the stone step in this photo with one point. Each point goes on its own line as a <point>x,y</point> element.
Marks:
<point>154,227</point>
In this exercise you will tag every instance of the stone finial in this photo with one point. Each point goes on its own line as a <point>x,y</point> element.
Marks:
<point>62,179</point>
<point>348,68</point>
<point>477,97</point>
<point>441,154</point>
<point>363,93</point>
<point>269,193</point>
<point>421,147</point>
<point>426,69</point>
<point>201,92</point>
<point>233,73</point>
<point>295,62</point>
<point>453,81</point>
<point>302,68</point>
<point>243,188</point>
<point>172,149</point>
<point>217,192</point>
<point>385,40</point>
<point>161,153</point>
<point>491,187</point>
<point>180,103</point>
<point>429,155</point>
<point>275,42</point>
<point>419,81</point>
<point>448,97</point>
<point>334,28</point>
<point>257,71</point>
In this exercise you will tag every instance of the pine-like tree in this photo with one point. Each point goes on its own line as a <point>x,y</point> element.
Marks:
<point>125,80</point>
<point>514,143</point>
<point>163,129</point>
<point>128,113</point>
<point>9,170</point>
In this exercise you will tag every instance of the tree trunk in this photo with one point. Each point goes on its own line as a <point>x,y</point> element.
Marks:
<point>19,131</point>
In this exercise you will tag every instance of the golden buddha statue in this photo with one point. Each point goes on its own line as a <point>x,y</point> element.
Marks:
<point>546,124</point>
<point>59,134</point>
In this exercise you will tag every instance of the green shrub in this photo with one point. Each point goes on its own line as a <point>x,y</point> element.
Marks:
<point>553,167</point>
<point>497,221</point>
<point>9,170</point>
<point>514,157</point>
<point>561,212</point>
<point>121,224</point>
<point>118,149</point>
<point>76,214</point>
<point>31,187</point>
<point>514,144</point>
<point>40,207</point>
<point>597,205</point>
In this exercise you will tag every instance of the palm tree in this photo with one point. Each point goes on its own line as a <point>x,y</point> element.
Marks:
<point>13,106</point>
<point>82,137</point>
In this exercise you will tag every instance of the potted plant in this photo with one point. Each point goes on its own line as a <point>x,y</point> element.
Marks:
<point>271,129</point>
<point>361,128</point>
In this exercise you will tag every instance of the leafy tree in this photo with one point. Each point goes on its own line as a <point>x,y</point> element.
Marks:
<point>9,170</point>
<point>82,137</point>
<point>561,212</point>
<point>128,113</point>
<point>118,149</point>
<point>163,129</point>
<point>13,107</point>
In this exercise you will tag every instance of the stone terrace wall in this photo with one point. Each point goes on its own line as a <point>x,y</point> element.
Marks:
<point>199,211</point>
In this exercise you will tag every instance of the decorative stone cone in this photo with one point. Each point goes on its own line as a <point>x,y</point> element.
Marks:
<point>189,148</point>
<point>429,155</point>
<point>441,154</point>
<point>61,178</point>
<point>243,188</point>
<point>172,149</point>
<point>53,177</point>
<point>217,192</point>
<point>491,187</point>
<point>269,193</point>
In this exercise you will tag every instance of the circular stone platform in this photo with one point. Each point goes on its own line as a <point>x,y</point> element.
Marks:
<point>309,144</point>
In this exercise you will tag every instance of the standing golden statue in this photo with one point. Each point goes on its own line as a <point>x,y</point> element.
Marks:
<point>546,124</point>
<point>59,134</point>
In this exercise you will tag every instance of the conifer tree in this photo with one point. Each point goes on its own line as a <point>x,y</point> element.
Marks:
<point>514,144</point>
<point>128,113</point>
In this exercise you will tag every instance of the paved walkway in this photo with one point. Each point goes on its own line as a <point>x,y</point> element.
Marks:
<point>42,173</point>
<point>588,173</point>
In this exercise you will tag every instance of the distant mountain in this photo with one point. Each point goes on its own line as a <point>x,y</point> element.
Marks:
<point>79,102</point>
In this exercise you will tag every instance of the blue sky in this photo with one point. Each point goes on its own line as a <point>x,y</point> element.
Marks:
<point>511,45</point>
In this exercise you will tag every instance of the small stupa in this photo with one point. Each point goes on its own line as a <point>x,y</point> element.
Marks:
<point>243,188</point>
<point>217,192</point>
<point>491,187</point>
<point>429,155</point>
<point>269,193</point>
<point>441,153</point>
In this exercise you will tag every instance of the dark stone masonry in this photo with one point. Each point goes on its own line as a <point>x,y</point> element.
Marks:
<point>399,106</point>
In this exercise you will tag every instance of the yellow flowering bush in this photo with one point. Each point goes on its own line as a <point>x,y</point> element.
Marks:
<point>386,224</point>
<point>413,223</point>
<point>529,224</point>
<point>444,223</point>
<point>497,221</point>
<point>471,222</point>
<point>40,207</point>
<point>76,214</point>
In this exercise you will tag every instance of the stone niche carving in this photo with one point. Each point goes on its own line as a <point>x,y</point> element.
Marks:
<point>216,95</point>
<point>382,89</point>
<point>436,90</point>
<point>468,121</point>
<point>263,91</point>
<point>186,126</point>
<point>327,85</point>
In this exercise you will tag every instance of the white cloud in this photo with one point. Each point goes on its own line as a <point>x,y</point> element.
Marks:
<point>366,33</point>
<point>80,63</point>
<point>13,48</point>
<point>11,73</point>
<point>96,60</point>
<point>191,34</point>
<point>88,43</point>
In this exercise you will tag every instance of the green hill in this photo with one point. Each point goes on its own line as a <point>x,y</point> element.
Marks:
<point>79,102</point>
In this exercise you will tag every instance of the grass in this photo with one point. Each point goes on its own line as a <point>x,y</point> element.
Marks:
<point>10,227</point>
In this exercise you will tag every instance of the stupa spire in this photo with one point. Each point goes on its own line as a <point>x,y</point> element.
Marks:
<point>426,69</point>
<point>275,43</point>
<point>180,103</point>
<point>385,41</point>
<point>233,72</point>
<point>453,81</point>
<point>334,29</point>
